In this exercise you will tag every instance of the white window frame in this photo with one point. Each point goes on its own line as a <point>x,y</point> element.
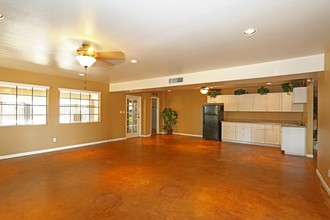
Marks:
<point>16,115</point>
<point>79,106</point>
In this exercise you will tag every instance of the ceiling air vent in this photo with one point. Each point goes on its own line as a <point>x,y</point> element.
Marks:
<point>175,80</point>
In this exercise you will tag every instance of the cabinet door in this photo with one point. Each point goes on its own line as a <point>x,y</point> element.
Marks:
<point>272,134</point>
<point>228,131</point>
<point>219,99</point>
<point>259,102</point>
<point>258,133</point>
<point>300,95</point>
<point>243,132</point>
<point>211,100</point>
<point>244,102</point>
<point>230,102</point>
<point>286,102</point>
<point>274,102</point>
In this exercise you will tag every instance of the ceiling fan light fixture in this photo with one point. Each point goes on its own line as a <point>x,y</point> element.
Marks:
<point>85,61</point>
<point>250,31</point>
<point>204,90</point>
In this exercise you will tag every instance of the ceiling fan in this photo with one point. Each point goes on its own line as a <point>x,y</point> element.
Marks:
<point>86,56</point>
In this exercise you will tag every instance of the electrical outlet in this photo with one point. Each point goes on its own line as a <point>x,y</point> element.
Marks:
<point>328,172</point>
<point>54,140</point>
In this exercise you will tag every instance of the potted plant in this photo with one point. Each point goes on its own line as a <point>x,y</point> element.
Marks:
<point>263,91</point>
<point>214,93</point>
<point>170,118</point>
<point>240,92</point>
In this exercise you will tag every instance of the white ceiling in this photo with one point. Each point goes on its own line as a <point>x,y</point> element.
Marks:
<point>166,37</point>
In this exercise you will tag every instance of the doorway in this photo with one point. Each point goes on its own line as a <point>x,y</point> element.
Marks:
<point>133,119</point>
<point>154,116</point>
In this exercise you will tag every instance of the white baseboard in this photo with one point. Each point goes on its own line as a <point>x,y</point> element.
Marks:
<point>324,184</point>
<point>191,135</point>
<point>310,155</point>
<point>58,148</point>
<point>145,135</point>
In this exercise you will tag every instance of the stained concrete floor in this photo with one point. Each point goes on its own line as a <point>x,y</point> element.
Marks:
<point>162,177</point>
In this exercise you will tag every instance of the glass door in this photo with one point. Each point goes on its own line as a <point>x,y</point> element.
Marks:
<point>133,116</point>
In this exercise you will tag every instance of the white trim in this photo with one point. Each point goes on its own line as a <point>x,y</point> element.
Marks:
<point>145,135</point>
<point>11,84</point>
<point>58,148</point>
<point>298,65</point>
<point>77,90</point>
<point>324,184</point>
<point>157,114</point>
<point>310,155</point>
<point>191,135</point>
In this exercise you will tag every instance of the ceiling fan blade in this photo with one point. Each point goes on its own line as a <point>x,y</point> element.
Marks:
<point>116,55</point>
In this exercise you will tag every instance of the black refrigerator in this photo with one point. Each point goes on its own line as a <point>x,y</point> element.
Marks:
<point>212,117</point>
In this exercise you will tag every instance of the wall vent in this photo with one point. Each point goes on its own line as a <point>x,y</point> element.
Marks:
<point>175,80</point>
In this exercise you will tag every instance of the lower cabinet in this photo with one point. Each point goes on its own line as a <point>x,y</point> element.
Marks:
<point>228,131</point>
<point>273,134</point>
<point>252,133</point>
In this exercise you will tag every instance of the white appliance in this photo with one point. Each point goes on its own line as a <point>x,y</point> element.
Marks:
<point>294,140</point>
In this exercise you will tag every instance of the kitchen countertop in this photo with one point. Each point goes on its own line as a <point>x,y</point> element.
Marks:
<point>283,123</point>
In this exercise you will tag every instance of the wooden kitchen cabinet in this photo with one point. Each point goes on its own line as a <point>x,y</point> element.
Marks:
<point>274,102</point>
<point>258,133</point>
<point>273,134</point>
<point>299,95</point>
<point>243,132</point>
<point>259,102</point>
<point>244,102</point>
<point>218,99</point>
<point>230,102</point>
<point>228,131</point>
<point>288,106</point>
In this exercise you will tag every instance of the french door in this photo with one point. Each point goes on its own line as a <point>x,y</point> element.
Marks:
<point>133,119</point>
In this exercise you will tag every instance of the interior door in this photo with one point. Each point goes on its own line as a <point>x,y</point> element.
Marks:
<point>133,120</point>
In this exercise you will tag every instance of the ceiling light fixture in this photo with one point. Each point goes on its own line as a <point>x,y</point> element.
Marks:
<point>1,16</point>
<point>133,61</point>
<point>250,31</point>
<point>85,60</point>
<point>269,83</point>
<point>309,80</point>
<point>204,90</point>
<point>81,74</point>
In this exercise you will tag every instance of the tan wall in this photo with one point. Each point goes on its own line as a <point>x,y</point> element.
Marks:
<point>188,104</point>
<point>309,118</point>
<point>17,139</point>
<point>323,157</point>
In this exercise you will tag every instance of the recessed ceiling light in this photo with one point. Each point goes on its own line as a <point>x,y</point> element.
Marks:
<point>250,31</point>
<point>81,74</point>
<point>133,61</point>
<point>268,83</point>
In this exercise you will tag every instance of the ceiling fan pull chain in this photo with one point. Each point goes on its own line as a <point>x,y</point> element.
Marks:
<point>85,77</point>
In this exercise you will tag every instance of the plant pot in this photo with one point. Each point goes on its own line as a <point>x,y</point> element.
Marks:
<point>169,131</point>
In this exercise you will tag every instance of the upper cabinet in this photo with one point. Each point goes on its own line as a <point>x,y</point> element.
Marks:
<point>230,102</point>
<point>274,102</point>
<point>218,99</point>
<point>259,102</point>
<point>299,95</point>
<point>244,102</point>
<point>288,105</point>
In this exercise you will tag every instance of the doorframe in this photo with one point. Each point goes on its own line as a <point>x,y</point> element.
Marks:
<point>139,113</point>
<point>157,115</point>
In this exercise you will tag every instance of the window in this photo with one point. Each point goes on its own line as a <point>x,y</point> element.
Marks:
<point>22,104</point>
<point>79,106</point>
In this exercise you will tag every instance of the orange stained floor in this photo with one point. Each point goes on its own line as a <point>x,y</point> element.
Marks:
<point>162,177</point>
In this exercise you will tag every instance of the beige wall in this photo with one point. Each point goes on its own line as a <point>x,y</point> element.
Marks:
<point>323,157</point>
<point>188,104</point>
<point>17,139</point>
